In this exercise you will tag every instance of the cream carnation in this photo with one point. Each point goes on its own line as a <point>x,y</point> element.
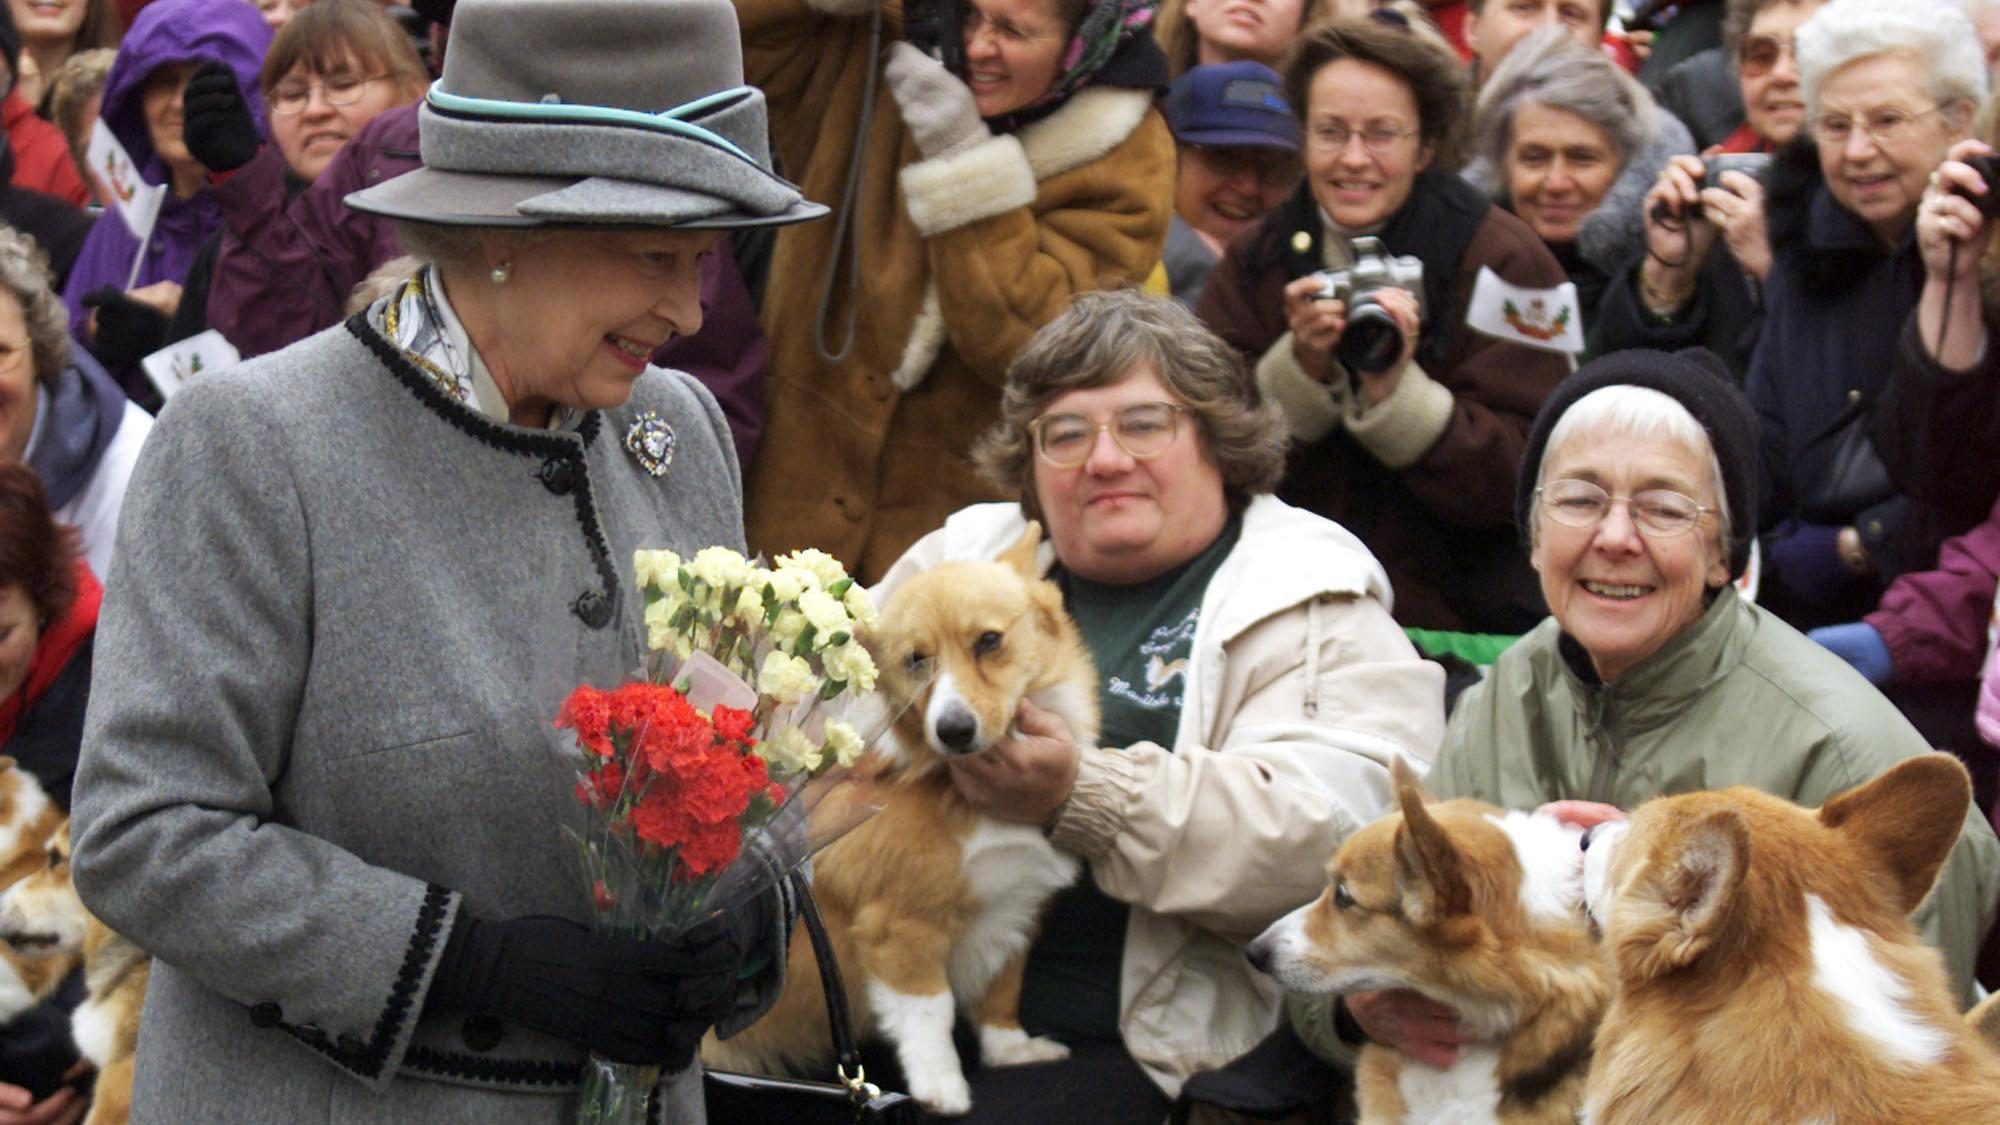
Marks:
<point>843,745</point>
<point>786,678</point>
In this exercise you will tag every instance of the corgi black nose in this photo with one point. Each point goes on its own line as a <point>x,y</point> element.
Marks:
<point>1258,953</point>
<point>1583,842</point>
<point>958,729</point>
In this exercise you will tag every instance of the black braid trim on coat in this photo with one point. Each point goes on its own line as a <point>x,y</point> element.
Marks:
<point>510,1072</point>
<point>508,440</point>
<point>367,1060</point>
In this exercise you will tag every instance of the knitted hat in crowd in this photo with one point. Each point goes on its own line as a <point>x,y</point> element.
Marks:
<point>580,112</point>
<point>1232,104</point>
<point>1697,380</point>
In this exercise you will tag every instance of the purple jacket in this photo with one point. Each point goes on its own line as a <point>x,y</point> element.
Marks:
<point>1935,621</point>
<point>168,31</point>
<point>285,269</point>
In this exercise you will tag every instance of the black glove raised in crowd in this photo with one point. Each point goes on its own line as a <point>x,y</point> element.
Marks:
<point>641,1002</point>
<point>215,120</point>
<point>127,330</point>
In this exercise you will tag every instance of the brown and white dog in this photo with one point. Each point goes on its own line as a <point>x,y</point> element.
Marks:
<point>41,917</point>
<point>1765,966</point>
<point>27,819</point>
<point>1477,909</point>
<point>931,905</point>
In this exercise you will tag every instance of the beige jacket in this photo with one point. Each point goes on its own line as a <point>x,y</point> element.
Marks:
<point>1300,688</point>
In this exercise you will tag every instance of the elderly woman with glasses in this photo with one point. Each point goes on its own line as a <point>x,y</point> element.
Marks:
<point>1406,421</point>
<point>1254,690</point>
<point>1653,675</point>
<point>1890,85</point>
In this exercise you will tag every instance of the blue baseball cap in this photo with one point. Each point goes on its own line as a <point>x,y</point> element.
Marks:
<point>1233,103</point>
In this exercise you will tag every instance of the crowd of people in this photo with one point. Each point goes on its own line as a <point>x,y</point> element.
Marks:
<point>1580,404</point>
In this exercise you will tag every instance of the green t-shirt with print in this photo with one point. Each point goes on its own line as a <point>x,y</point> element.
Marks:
<point>1141,637</point>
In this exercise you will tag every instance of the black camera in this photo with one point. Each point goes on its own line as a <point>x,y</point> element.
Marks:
<point>1756,165</point>
<point>937,28</point>
<point>1988,168</point>
<point>1372,340</point>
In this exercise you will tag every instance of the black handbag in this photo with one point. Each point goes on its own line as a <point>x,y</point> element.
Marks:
<point>1854,478</point>
<point>733,1098</point>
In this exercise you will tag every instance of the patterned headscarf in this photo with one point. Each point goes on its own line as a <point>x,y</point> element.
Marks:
<point>1105,27</point>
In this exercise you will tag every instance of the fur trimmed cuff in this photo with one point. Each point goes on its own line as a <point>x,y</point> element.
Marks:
<point>947,192</point>
<point>1400,429</point>
<point>843,7</point>
<point>1089,822</point>
<point>1311,408</point>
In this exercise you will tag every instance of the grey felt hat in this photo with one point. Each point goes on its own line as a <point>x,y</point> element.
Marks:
<point>592,112</point>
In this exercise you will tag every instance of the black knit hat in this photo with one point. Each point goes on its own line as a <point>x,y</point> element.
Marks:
<point>1697,380</point>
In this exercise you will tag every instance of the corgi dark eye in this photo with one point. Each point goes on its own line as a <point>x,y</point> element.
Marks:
<point>55,858</point>
<point>987,642</point>
<point>1341,897</point>
<point>915,661</point>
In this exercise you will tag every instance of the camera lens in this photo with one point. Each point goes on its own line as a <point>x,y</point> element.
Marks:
<point>1371,342</point>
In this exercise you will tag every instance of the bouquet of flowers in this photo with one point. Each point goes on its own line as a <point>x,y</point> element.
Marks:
<point>727,762</point>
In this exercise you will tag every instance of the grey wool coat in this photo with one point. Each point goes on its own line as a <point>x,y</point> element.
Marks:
<point>343,613</point>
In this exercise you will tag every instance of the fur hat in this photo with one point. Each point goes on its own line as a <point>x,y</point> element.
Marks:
<point>592,112</point>
<point>1697,380</point>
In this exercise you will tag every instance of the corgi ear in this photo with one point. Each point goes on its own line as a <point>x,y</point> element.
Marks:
<point>1404,777</point>
<point>1022,555</point>
<point>1909,816</point>
<point>1429,870</point>
<point>1694,887</point>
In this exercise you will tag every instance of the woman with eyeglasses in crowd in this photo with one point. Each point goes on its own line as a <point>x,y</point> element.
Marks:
<point>1707,252</point>
<point>1889,86</point>
<point>332,68</point>
<point>1410,450</point>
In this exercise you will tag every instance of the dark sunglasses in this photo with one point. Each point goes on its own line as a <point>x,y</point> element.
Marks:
<point>1758,55</point>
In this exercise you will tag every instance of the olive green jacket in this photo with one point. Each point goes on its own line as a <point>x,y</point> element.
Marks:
<point>1738,698</point>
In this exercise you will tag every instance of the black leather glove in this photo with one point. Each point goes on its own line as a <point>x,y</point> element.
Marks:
<point>127,330</point>
<point>215,120</point>
<point>641,1002</point>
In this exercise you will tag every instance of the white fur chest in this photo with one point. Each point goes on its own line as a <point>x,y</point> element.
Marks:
<point>1012,871</point>
<point>94,1026</point>
<point>1467,1094</point>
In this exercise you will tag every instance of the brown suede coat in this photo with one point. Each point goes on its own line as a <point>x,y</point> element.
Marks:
<point>962,259</point>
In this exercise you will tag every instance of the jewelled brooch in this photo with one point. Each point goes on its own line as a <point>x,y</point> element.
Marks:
<point>651,443</point>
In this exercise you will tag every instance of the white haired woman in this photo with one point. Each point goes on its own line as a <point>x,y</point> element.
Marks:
<point>1638,499</point>
<point>1571,143</point>
<point>1890,85</point>
<point>357,575</point>
<point>1220,787</point>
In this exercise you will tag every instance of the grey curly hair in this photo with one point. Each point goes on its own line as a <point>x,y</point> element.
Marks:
<point>1098,341</point>
<point>24,272</point>
<point>1550,68</point>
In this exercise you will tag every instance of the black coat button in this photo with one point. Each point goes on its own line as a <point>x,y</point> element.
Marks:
<point>558,475</point>
<point>266,1014</point>
<point>483,1033</point>
<point>593,609</point>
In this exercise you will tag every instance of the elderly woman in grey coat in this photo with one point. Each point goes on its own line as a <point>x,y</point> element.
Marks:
<point>1570,143</point>
<point>319,780</point>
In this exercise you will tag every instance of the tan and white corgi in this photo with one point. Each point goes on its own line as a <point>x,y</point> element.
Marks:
<point>931,906</point>
<point>1477,909</point>
<point>42,917</point>
<point>1764,964</point>
<point>27,819</point>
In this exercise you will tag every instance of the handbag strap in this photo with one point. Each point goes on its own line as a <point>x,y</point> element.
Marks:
<point>837,1018</point>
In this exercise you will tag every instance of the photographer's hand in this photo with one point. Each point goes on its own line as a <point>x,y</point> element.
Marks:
<point>1948,216</point>
<point>1677,242</point>
<point>938,108</point>
<point>1401,304</point>
<point>1316,326</point>
<point>1737,207</point>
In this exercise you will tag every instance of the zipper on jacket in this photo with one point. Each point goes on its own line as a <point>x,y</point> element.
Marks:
<point>1604,770</point>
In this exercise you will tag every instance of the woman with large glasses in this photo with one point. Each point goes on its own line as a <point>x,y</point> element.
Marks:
<point>1254,690</point>
<point>1707,251</point>
<point>1638,500</point>
<point>1412,449</point>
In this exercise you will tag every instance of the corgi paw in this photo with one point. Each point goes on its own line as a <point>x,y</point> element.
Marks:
<point>944,1094</point>
<point>1010,1046</point>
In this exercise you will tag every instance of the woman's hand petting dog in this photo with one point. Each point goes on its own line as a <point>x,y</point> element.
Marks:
<point>18,1107</point>
<point>1411,1022</point>
<point>1582,814</point>
<point>1024,777</point>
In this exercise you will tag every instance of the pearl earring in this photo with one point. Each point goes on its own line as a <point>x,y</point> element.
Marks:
<point>502,272</point>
